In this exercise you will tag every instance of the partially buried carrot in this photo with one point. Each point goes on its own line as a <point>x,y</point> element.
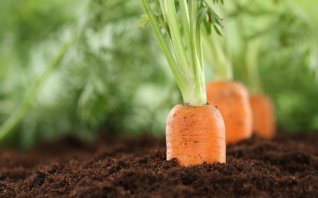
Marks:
<point>194,131</point>
<point>232,99</point>
<point>195,135</point>
<point>263,116</point>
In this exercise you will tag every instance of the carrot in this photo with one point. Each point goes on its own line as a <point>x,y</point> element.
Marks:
<point>263,116</point>
<point>195,135</point>
<point>194,131</point>
<point>232,99</point>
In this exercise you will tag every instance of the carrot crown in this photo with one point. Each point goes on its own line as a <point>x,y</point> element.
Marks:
<point>177,27</point>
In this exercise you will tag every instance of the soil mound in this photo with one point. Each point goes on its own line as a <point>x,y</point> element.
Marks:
<point>284,167</point>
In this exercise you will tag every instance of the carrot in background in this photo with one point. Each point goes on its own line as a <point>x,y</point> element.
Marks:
<point>230,97</point>
<point>195,131</point>
<point>263,116</point>
<point>264,124</point>
<point>265,34</point>
<point>233,101</point>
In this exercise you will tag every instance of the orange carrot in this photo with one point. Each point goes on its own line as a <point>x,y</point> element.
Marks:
<point>263,116</point>
<point>232,99</point>
<point>195,135</point>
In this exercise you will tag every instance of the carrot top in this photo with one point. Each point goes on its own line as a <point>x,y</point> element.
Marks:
<point>177,27</point>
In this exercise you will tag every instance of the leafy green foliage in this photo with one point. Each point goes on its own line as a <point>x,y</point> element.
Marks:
<point>113,78</point>
<point>99,82</point>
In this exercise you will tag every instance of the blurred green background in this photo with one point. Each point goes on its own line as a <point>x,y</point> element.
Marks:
<point>113,77</point>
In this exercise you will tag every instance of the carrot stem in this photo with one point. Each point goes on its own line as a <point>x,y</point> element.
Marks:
<point>252,67</point>
<point>181,45</point>
<point>249,55</point>
<point>215,55</point>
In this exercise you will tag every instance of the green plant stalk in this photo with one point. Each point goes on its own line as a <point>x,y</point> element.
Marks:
<point>197,94</point>
<point>182,58</point>
<point>216,57</point>
<point>240,57</point>
<point>27,101</point>
<point>252,67</point>
<point>249,59</point>
<point>186,24</point>
<point>195,31</point>
<point>176,37</point>
<point>164,47</point>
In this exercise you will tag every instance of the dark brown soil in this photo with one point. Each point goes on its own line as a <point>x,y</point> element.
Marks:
<point>285,167</point>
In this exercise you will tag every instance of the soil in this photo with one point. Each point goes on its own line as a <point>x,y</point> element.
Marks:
<point>284,167</point>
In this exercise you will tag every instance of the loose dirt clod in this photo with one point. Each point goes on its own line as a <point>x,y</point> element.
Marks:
<point>284,167</point>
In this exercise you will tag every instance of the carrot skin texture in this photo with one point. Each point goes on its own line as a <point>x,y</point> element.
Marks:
<point>195,135</point>
<point>263,116</point>
<point>232,99</point>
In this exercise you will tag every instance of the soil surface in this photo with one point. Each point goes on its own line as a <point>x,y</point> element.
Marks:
<point>284,167</point>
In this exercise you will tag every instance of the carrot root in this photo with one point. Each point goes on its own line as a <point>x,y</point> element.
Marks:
<point>232,99</point>
<point>195,135</point>
<point>263,116</point>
